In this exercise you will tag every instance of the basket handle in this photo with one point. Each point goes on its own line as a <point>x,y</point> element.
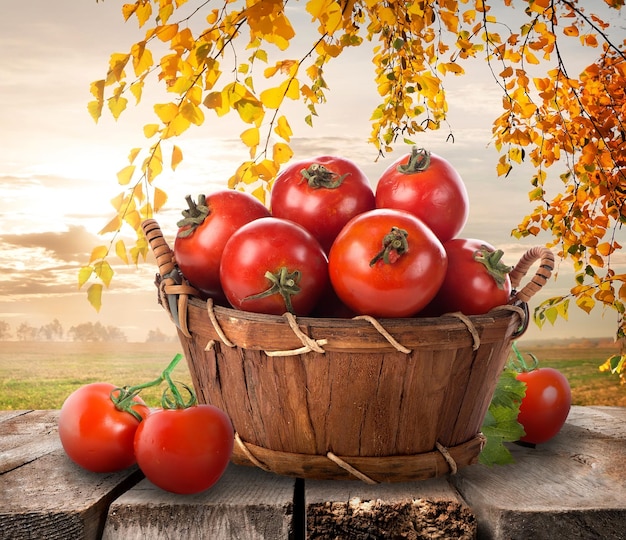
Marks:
<point>159,246</point>
<point>174,291</point>
<point>543,273</point>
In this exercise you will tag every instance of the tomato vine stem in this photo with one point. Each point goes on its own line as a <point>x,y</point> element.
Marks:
<point>519,364</point>
<point>123,397</point>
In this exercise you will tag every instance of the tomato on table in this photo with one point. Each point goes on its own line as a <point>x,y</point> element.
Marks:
<point>185,450</point>
<point>546,405</point>
<point>322,194</point>
<point>204,230</point>
<point>476,279</point>
<point>429,187</point>
<point>273,266</point>
<point>386,263</point>
<point>95,433</point>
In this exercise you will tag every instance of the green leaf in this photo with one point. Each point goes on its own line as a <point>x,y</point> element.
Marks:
<point>500,424</point>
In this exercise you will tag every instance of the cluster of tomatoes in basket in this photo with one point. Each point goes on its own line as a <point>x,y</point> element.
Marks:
<point>332,246</point>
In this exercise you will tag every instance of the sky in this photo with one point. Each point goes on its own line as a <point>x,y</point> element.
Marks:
<point>58,167</point>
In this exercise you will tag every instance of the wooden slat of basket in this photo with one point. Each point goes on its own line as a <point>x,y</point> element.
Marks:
<point>379,469</point>
<point>254,331</point>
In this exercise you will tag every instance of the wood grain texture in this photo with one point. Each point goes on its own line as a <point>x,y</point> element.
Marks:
<point>247,504</point>
<point>572,487</point>
<point>42,493</point>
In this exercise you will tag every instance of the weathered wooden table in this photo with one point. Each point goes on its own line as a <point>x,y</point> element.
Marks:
<point>571,487</point>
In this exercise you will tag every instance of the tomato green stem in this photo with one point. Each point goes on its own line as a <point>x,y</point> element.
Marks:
<point>519,364</point>
<point>419,161</point>
<point>193,216</point>
<point>282,282</point>
<point>492,261</point>
<point>319,176</point>
<point>123,397</point>
<point>395,243</point>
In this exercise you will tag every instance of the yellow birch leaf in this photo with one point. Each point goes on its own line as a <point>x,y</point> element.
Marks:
<point>112,226</point>
<point>125,175</point>
<point>95,109</point>
<point>539,6</point>
<point>177,157</point>
<point>128,10</point>
<point>84,274</point>
<point>166,32</point>
<point>136,90</point>
<point>530,57</point>
<point>120,250</point>
<point>585,303</point>
<point>251,137</point>
<point>165,12</point>
<point>166,111</point>
<point>132,155</point>
<point>191,112</point>
<point>272,97</point>
<point>133,219</point>
<point>97,89</point>
<point>117,104</point>
<point>178,125</point>
<point>104,271</point>
<point>143,12</point>
<point>97,253</point>
<point>250,111</point>
<point>150,130</point>
<point>160,198</point>
<point>142,58</point>
<point>281,153</point>
<point>283,129</point>
<point>267,169</point>
<point>94,295</point>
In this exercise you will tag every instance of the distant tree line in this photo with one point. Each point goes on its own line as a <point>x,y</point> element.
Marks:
<point>88,331</point>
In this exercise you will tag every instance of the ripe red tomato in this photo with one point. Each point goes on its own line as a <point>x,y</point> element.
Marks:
<point>476,280</point>
<point>95,434</point>
<point>386,263</point>
<point>184,450</point>
<point>204,230</point>
<point>429,187</point>
<point>322,194</point>
<point>547,402</point>
<point>273,265</point>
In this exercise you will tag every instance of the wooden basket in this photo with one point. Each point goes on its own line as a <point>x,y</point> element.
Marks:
<point>387,400</point>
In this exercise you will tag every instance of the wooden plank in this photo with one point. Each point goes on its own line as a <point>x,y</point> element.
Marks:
<point>247,503</point>
<point>42,493</point>
<point>26,436</point>
<point>353,510</point>
<point>573,486</point>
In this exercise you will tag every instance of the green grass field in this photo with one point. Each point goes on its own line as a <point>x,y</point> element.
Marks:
<point>40,375</point>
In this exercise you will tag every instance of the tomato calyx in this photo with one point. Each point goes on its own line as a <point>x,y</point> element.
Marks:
<point>492,261</point>
<point>395,244</point>
<point>419,161</point>
<point>319,176</point>
<point>519,364</point>
<point>282,282</point>
<point>193,216</point>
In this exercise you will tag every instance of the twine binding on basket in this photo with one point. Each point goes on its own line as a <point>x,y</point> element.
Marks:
<point>342,463</point>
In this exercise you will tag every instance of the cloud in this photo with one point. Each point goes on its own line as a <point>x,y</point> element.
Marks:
<point>70,246</point>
